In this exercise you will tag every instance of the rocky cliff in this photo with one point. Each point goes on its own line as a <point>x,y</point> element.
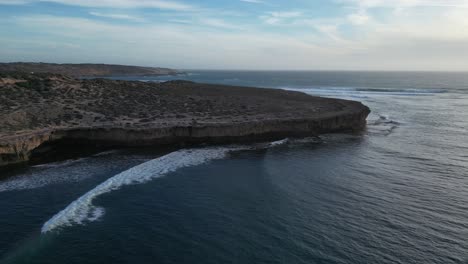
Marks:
<point>40,112</point>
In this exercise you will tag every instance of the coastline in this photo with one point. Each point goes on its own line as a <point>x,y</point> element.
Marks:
<point>185,113</point>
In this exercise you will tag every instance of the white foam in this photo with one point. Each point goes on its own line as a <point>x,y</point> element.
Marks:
<point>307,140</point>
<point>42,175</point>
<point>105,153</point>
<point>381,125</point>
<point>352,93</point>
<point>279,142</point>
<point>67,171</point>
<point>82,210</point>
<point>59,163</point>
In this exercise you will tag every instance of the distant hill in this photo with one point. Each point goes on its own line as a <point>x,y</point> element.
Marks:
<point>82,70</point>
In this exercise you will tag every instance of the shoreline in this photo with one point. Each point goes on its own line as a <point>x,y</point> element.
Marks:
<point>102,114</point>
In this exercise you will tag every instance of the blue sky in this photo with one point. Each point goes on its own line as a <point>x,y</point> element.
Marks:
<point>240,34</point>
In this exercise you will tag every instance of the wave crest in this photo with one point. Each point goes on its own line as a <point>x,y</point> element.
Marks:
<point>366,92</point>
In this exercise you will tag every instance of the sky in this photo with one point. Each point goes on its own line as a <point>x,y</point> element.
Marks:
<point>240,34</point>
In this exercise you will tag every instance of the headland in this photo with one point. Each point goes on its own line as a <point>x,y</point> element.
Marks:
<point>40,112</point>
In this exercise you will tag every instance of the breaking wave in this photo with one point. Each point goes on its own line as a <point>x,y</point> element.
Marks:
<point>278,143</point>
<point>399,90</point>
<point>365,92</point>
<point>82,210</point>
<point>383,119</point>
<point>383,125</point>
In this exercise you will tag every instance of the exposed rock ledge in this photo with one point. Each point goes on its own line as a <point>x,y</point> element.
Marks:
<point>42,110</point>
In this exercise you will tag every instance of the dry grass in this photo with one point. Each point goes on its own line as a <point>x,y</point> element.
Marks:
<point>37,101</point>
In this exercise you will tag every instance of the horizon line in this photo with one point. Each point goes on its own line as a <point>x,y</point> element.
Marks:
<point>255,70</point>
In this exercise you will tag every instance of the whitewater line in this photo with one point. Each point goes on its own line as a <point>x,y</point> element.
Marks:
<point>82,210</point>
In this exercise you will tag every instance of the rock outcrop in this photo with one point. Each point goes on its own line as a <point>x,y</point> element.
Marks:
<point>41,111</point>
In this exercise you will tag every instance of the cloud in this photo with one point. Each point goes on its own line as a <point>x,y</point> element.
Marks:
<point>13,2</point>
<point>358,18</point>
<point>179,46</point>
<point>289,14</point>
<point>180,21</point>
<point>160,4</point>
<point>407,3</point>
<point>253,1</point>
<point>368,34</point>
<point>274,18</point>
<point>116,16</point>
<point>218,23</point>
<point>392,46</point>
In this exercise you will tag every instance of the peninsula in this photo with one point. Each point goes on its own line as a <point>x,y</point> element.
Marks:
<point>40,111</point>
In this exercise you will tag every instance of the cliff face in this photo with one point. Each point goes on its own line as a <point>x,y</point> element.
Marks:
<point>115,113</point>
<point>18,149</point>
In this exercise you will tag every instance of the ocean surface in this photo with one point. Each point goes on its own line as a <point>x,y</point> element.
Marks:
<point>397,193</point>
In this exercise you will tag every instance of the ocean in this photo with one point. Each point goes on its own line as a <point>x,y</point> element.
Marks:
<point>396,193</point>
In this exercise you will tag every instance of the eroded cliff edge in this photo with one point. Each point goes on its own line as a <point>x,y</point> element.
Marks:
<point>39,110</point>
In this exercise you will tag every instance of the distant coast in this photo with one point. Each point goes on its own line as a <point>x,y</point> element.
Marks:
<point>86,69</point>
<point>45,111</point>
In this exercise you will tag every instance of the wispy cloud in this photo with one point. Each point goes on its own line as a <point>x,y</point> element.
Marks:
<point>274,18</point>
<point>116,16</point>
<point>407,3</point>
<point>359,34</point>
<point>172,45</point>
<point>13,2</point>
<point>217,23</point>
<point>160,4</point>
<point>359,18</point>
<point>253,1</point>
<point>180,21</point>
<point>205,22</point>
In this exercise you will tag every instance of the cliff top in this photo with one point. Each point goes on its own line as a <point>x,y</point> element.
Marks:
<point>32,102</point>
<point>88,70</point>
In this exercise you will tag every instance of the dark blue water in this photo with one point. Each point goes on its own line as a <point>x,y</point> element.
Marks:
<point>396,194</point>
